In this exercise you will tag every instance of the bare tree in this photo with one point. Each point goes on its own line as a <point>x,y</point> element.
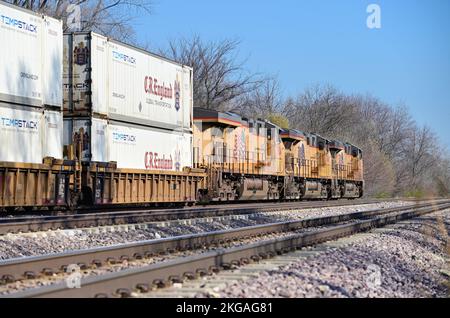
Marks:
<point>387,126</point>
<point>321,109</point>
<point>379,171</point>
<point>441,175</point>
<point>218,79</point>
<point>262,102</point>
<point>399,156</point>
<point>418,157</point>
<point>109,17</point>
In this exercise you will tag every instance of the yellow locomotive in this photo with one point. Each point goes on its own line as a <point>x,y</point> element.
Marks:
<point>249,159</point>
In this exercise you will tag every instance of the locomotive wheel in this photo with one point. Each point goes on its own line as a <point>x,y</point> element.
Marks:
<point>329,193</point>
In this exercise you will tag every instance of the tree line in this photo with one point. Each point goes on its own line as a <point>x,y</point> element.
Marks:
<point>401,157</point>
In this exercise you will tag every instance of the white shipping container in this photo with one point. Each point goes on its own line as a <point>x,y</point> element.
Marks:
<point>52,134</point>
<point>94,148</point>
<point>125,83</point>
<point>27,136</point>
<point>31,58</point>
<point>131,146</point>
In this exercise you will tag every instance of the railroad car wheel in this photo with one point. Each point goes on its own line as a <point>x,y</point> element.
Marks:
<point>87,196</point>
<point>72,200</point>
<point>10,209</point>
<point>28,209</point>
<point>203,197</point>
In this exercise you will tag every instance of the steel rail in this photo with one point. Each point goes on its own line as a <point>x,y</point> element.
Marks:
<point>42,223</point>
<point>141,279</point>
<point>29,266</point>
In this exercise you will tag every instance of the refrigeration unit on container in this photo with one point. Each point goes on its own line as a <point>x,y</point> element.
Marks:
<point>30,58</point>
<point>120,82</point>
<point>131,146</point>
<point>28,135</point>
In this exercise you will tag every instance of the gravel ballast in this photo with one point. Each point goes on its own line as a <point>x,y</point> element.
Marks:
<point>359,266</point>
<point>57,241</point>
<point>408,259</point>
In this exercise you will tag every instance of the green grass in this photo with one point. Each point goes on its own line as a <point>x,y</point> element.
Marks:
<point>417,193</point>
<point>383,195</point>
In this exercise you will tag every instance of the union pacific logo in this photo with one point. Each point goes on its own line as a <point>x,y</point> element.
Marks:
<point>18,24</point>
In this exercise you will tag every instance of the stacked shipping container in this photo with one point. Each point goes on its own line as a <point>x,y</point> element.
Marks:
<point>126,105</point>
<point>30,86</point>
<point>31,120</point>
<point>120,104</point>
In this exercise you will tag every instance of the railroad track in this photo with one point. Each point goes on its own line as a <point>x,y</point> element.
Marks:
<point>24,224</point>
<point>142,279</point>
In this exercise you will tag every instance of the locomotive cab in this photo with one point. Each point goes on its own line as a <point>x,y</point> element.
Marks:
<point>353,187</point>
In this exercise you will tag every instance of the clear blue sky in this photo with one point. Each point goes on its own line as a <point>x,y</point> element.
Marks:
<point>326,41</point>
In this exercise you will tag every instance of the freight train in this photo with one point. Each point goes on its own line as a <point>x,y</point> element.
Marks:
<point>88,121</point>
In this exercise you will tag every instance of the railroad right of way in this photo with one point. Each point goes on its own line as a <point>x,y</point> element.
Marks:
<point>180,268</point>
